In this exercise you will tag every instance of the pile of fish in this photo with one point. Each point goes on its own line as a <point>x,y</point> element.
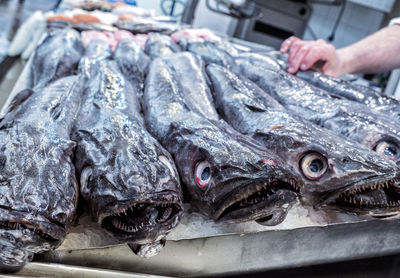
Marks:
<point>135,130</point>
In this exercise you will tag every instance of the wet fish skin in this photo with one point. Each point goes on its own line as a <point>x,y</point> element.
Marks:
<point>210,53</point>
<point>132,61</point>
<point>160,45</point>
<point>38,186</point>
<point>129,181</point>
<point>238,167</point>
<point>358,93</point>
<point>191,71</point>
<point>252,112</point>
<point>348,119</point>
<point>57,56</point>
<point>147,28</point>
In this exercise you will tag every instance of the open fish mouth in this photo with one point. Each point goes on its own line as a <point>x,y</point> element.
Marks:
<point>262,201</point>
<point>40,232</point>
<point>142,217</point>
<point>377,198</point>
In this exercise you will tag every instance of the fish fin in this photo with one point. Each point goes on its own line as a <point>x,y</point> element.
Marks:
<point>19,99</point>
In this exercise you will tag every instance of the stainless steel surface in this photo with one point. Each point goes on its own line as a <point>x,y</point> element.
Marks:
<point>280,19</point>
<point>67,271</point>
<point>234,254</point>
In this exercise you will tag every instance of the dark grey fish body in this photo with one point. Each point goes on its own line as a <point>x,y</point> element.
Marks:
<point>146,28</point>
<point>358,93</point>
<point>57,56</point>
<point>227,176</point>
<point>132,61</point>
<point>129,181</point>
<point>210,53</point>
<point>160,45</point>
<point>96,52</point>
<point>194,84</point>
<point>38,185</point>
<point>348,119</point>
<point>330,166</point>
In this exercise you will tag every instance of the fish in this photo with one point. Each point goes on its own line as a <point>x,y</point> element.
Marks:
<point>133,62</point>
<point>147,26</point>
<point>160,45</point>
<point>347,119</point>
<point>129,181</point>
<point>227,176</point>
<point>57,56</point>
<point>336,173</point>
<point>210,53</point>
<point>354,92</point>
<point>191,71</point>
<point>38,185</point>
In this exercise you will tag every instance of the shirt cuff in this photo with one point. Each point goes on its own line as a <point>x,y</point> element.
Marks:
<point>394,21</point>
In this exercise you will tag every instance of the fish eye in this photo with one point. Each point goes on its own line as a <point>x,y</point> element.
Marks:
<point>387,149</point>
<point>203,174</point>
<point>313,166</point>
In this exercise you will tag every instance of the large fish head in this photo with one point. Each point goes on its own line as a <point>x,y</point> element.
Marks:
<point>328,164</point>
<point>38,192</point>
<point>228,175</point>
<point>133,189</point>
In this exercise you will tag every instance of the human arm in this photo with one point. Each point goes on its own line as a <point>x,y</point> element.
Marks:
<point>376,53</point>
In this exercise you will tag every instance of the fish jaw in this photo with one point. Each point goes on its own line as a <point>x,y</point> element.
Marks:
<point>266,201</point>
<point>375,196</point>
<point>22,235</point>
<point>143,221</point>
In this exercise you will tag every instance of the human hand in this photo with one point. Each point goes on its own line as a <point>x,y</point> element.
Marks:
<point>318,55</point>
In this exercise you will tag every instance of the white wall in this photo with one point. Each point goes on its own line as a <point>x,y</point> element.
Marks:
<point>357,22</point>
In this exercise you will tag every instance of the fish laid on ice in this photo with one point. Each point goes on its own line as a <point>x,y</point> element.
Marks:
<point>346,118</point>
<point>38,187</point>
<point>336,173</point>
<point>132,61</point>
<point>57,56</point>
<point>358,93</point>
<point>128,179</point>
<point>228,176</point>
<point>160,45</point>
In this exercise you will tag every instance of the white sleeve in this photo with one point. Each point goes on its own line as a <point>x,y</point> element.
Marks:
<point>394,21</point>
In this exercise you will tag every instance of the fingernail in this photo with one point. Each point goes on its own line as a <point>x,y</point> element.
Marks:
<point>303,66</point>
<point>290,69</point>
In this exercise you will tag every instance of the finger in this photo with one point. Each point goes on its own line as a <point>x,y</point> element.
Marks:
<point>297,60</point>
<point>316,54</point>
<point>285,46</point>
<point>293,52</point>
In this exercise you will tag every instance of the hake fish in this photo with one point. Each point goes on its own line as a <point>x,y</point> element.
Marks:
<point>132,61</point>
<point>160,45</point>
<point>228,176</point>
<point>57,56</point>
<point>336,173</point>
<point>211,53</point>
<point>358,93</point>
<point>348,119</point>
<point>38,187</point>
<point>128,179</point>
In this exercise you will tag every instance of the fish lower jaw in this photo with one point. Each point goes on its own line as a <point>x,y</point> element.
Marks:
<point>7,225</point>
<point>380,196</point>
<point>251,205</point>
<point>140,217</point>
